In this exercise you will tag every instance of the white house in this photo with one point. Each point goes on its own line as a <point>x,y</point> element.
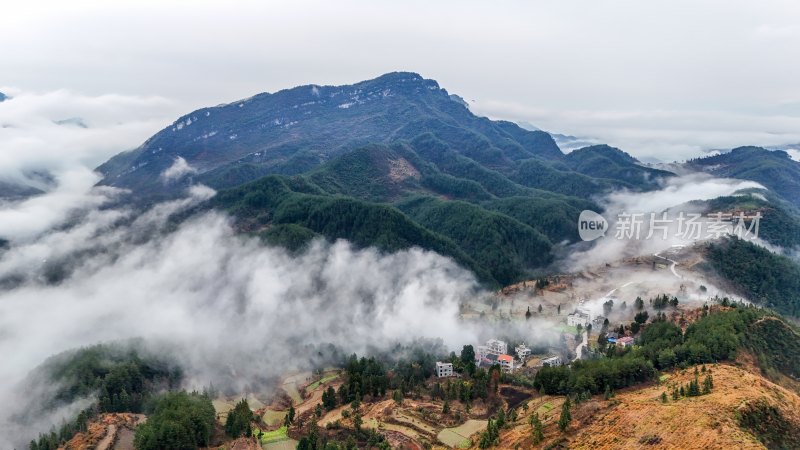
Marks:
<point>444,369</point>
<point>497,347</point>
<point>552,361</point>
<point>522,352</point>
<point>578,318</point>
<point>480,352</point>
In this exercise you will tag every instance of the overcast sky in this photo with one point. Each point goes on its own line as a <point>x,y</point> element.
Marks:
<point>662,79</point>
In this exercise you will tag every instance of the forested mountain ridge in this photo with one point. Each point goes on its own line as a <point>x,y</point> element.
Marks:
<point>295,130</point>
<point>393,163</point>
<point>774,169</point>
<point>391,198</point>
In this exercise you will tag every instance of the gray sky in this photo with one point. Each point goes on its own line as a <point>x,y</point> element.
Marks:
<point>658,78</point>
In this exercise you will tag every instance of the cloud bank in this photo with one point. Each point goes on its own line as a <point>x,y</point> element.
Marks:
<point>218,296</point>
<point>673,197</point>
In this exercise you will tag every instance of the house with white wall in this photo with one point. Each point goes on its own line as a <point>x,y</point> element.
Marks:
<point>444,369</point>
<point>578,318</point>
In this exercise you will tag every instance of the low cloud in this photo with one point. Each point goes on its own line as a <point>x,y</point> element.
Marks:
<point>656,135</point>
<point>218,296</point>
<point>673,197</point>
<point>179,169</point>
<point>51,141</point>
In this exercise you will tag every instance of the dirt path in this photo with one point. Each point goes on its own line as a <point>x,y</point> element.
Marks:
<point>125,440</point>
<point>108,439</point>
<point>672,266</point>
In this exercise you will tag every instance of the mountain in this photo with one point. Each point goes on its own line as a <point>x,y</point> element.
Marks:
<point>295,130</point>
<point>3,97</point>
<point>393,163</point>
<point>603,161</point>
<point>16,191</point>
<point>774,169</point>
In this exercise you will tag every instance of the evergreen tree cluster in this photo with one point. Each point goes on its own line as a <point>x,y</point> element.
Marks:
<point>662,345</point>
<point>178,421</point>
<point>237,424</point>
<point>121,376</point>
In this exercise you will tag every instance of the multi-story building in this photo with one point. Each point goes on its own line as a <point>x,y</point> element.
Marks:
<point>444,369</point>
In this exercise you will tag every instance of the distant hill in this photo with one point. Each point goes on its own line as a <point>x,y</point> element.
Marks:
<point>774,169</point>
<point>16,191</point>
<point>603,161</point>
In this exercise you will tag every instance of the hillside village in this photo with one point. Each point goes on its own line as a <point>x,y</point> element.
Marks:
<point>500,392</point>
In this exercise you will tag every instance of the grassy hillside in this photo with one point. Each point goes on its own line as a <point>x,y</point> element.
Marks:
<point>643,407</point>
<point>722,419</point>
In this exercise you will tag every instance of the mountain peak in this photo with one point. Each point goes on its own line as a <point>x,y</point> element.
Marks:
<point>3,97</point>
<point>294,130</point>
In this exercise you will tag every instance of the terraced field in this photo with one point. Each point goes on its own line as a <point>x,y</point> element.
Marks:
<point>459,437</point>
<point>273,418</point>
<point>286,444</point>
<point>324,380</point>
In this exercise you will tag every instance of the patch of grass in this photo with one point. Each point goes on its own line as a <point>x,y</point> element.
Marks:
<point>327,379</point>
<point>546,407</point>
<point>459,437</point>
<point>271,417</point>
<point>273,436</point>
<point>663,378</point>
<point>287,444</point>
<point>453,439</point>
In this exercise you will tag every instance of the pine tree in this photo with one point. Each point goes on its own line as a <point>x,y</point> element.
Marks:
<point>397,396</point>
<point>238,422</point>
<point>536,423</point>
<point>566,416</point>
<point>663,397</point>
<point>708,384</point>
<point>289,419</point>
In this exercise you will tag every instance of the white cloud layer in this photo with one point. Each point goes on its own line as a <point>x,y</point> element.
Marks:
<point>91,129</point>
<point>673,197</point>
<point>218,296</point>
<point>179,169</point>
